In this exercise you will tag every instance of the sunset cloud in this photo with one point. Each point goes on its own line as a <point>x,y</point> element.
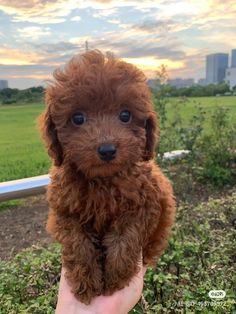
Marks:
<point>37,11</point>
<point>17,57</point>
<point>150,65</point>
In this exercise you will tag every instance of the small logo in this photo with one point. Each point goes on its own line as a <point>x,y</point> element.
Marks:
<point>217,294</point>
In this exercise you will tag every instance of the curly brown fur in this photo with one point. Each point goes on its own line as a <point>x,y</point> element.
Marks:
<point>104,213</point>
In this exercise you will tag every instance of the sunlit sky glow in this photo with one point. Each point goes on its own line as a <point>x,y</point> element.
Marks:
<point>36,36</point>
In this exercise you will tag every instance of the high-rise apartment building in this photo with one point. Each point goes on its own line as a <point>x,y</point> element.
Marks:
<point>230,77</point>
<point>3,84</point>
<point>216,65</point>
<point>233,58</point>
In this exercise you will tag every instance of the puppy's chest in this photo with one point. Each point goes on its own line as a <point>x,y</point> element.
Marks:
<point>104,204</point>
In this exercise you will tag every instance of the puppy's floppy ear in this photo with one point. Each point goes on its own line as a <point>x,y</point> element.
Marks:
<point>49,135</point>
<point>151,136</point>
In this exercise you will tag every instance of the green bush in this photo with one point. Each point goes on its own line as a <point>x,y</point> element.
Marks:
<point>200,258</point>
<point>28,283</point>
<point>213,150</point>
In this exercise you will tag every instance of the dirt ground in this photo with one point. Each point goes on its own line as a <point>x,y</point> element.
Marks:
<point>23,226</point>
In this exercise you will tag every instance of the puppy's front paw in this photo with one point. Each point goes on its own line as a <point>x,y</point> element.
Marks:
<point>123,253</point>
<point>121,265</point>
<point>119,276</point>
<point>86,287</point>
<point>86,294</point>
<point>85,281</point>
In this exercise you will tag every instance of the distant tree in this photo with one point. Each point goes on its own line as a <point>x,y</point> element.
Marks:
<point>38,89</point>
<point>161,75</point>
<point>14,95</point>
<point>9,92</point>
<point>200,91</point>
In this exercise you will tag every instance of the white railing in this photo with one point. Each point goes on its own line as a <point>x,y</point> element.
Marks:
<point>36,185</point>
<point>22,188</point>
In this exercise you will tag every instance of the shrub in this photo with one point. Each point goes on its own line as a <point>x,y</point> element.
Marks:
<point>212,145</point>
<point>215,151</point>
<point>200,255</point>
<point>28,283</point>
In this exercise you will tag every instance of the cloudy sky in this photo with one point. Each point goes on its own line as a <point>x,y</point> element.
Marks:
<point>36,36</point>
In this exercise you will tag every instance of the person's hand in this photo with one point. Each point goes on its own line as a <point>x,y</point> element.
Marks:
<point>121,302</point>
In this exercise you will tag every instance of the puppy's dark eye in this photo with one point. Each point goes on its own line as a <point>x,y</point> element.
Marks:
<point>125,116</point>
<point>78,118</point>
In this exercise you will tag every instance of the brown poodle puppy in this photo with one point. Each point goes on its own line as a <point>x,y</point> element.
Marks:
<point>109,202</point>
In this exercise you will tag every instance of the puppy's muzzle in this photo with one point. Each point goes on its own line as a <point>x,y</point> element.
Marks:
<point>107,152</point>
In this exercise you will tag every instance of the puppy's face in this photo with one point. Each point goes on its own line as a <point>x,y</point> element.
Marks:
<point>99,117</point>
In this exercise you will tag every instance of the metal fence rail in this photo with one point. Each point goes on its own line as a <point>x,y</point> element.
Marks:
<point>36,185</point>
<point>24,187</point>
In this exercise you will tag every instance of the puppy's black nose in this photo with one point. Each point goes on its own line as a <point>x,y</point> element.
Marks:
<point>107,152</point>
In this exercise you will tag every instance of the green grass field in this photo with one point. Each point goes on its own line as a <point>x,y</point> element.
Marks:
<point>22,153</point>
<point>209,104</point>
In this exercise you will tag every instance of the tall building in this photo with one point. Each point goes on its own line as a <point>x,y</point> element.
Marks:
<point>216,65</point>
<point>3,84</point>
<point>233,58</point>
<point>230,77</point>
